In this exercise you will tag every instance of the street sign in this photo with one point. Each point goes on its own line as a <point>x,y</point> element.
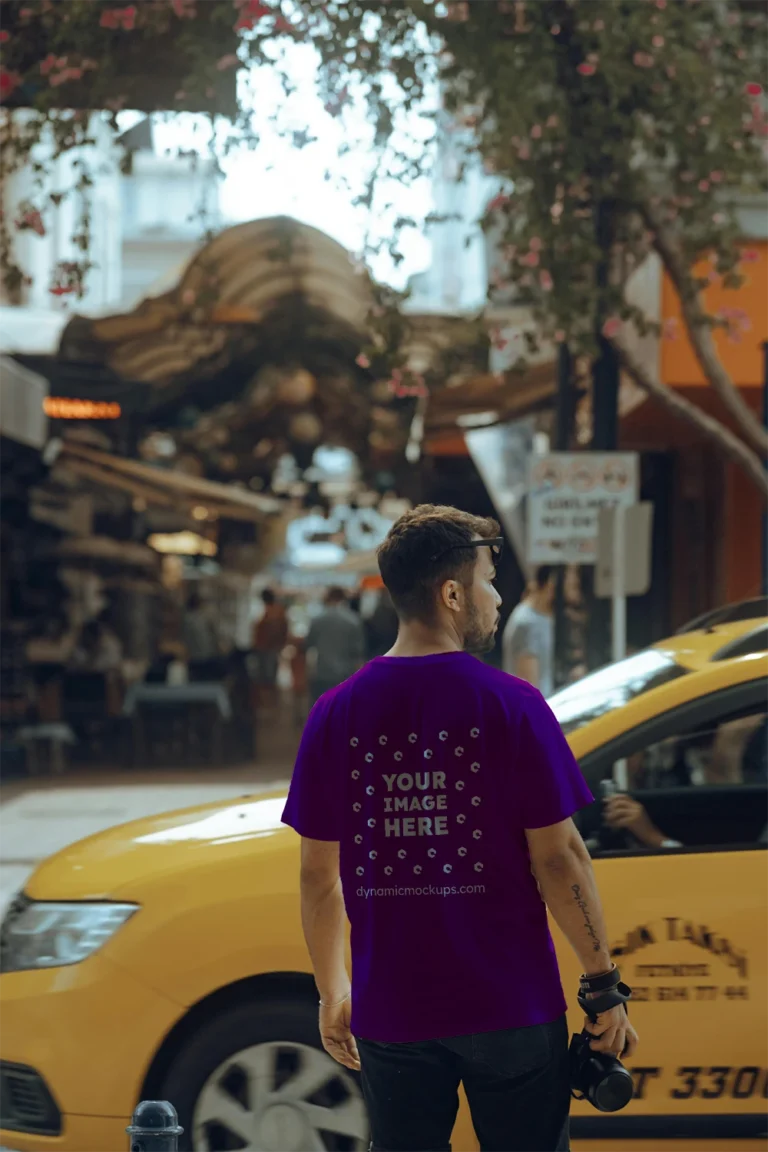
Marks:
<point>566,491</point>
<point>634,576</point>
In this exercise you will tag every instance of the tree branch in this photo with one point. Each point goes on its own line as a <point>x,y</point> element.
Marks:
<point>718,433</point>
<point>700,333</point>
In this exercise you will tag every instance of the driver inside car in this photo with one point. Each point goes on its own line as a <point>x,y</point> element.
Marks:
<point>733,753</point>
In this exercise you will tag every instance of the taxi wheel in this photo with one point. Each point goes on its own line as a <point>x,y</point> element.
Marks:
<point>256,1077</point>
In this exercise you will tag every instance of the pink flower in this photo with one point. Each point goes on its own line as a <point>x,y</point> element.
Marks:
<point>643,60</point>
<point>719,218</point>
<point>31,221</point>
<point>530,259</point>
<point>586,69</point>
<point>4,36</point>
<point>362,361</point>
<point>703,185</point>
<point>546,281</point>
<point>228,61</point>
<point>8,82</point>
<point>556,210</point>
<point>184,9</point>
<point>658,41</point>
<point>612,327</point>
<point>524,152</point>
<point>536,132</point>
<point>716,177</point>
<point>661,4</point>
<point>750,256</point>
<point>753,89</point>
<point>555,29</point>
<point>124,18</point>
<point>48,64</point>
<point>250,13</point>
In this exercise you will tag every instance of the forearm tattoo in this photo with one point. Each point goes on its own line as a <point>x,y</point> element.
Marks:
<point>588,925</point>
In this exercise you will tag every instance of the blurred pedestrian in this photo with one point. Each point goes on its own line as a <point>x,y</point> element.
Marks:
<point>336,643</point>
<point>381,626</point>
<point>434,796</point>
<point>270,637</point>
<point>201,641</point>
<point>528,644</point>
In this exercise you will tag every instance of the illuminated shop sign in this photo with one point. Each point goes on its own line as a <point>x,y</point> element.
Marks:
<point>64,408</point>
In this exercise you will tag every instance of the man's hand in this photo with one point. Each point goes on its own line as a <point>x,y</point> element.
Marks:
<point>613,1032</point>
<point>625,813</point>
<point>337,1039</point>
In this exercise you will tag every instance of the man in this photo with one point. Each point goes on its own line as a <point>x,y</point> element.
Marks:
<point>529,637</point>
<point>201,641</point>
<point>336,638</point>
<point>439,792</point>
<point>270,636</point>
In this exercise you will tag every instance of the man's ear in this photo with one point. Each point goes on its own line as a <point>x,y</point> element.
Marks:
<point>451,595</point>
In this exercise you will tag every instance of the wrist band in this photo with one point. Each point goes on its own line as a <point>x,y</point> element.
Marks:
<point>334,1003</point>
<point>607,1000</point>
<point>602,983</point>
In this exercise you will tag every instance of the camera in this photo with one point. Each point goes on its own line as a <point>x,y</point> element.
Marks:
<point>598,1077</point>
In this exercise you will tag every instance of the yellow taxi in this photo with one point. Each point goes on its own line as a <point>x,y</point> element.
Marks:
<point>164,959</point>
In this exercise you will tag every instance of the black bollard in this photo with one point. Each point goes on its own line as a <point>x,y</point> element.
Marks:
<point>155,1127</point>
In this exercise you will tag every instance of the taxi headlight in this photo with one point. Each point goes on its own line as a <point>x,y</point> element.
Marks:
<point>40,934</point>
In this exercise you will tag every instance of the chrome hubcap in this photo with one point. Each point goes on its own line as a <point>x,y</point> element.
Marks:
<point>280,1097</point>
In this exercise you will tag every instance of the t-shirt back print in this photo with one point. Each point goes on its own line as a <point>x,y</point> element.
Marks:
<point>419,826</point>
<point>427,771</point>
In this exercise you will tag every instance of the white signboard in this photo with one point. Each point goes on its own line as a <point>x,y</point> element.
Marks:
<point>634,576</point>
<point>566,491</point>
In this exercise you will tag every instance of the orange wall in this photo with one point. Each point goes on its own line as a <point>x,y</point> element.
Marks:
<point>743,360</point>
<point>743,543</point>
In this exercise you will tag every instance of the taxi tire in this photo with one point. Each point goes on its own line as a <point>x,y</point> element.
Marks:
<point>232,1030</point>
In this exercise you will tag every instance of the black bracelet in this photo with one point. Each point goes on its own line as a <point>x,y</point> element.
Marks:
<point>621,994</point>
<point>601,983</point>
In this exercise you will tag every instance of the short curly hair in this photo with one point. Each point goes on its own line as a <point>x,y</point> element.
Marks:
<point>410,573</point>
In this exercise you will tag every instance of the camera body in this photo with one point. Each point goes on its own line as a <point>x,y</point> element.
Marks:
<point>598,1077</point>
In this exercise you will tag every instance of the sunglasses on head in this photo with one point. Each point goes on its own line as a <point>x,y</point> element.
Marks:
<point>495,543</point>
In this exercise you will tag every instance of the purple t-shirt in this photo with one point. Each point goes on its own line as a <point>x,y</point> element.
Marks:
<point>428,770</point>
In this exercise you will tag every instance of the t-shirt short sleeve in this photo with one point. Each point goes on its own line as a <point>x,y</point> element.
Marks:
<point>313,804</point>
<point>550,786</point>
<point>525,639</point>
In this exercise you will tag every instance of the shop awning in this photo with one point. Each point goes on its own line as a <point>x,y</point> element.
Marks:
<point>238,279</point>
<point>162,487</point>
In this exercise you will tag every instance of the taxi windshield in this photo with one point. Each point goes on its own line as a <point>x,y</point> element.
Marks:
<point>612,687</point>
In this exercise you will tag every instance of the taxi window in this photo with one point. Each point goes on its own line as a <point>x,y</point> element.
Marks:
<point>731,752</point>
<point>612,687</point>
<point>703,787</point>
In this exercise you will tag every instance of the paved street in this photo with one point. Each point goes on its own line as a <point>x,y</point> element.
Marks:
<point>41,815</point>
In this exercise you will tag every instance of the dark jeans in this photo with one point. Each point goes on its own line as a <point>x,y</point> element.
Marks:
<point>516,1081</point>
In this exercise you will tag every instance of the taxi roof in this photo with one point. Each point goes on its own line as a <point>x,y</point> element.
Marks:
<point>694,650</point>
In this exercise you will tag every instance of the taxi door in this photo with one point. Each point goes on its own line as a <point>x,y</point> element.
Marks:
<point>688,930</point>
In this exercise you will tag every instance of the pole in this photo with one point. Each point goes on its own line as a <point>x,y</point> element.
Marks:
<point>619,599</point>
<point>605,425</point>
<point>563,426</point>
<point>765,425</point>
<point>154,1127</point>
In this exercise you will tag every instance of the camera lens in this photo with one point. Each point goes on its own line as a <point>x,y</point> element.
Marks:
<point>614,1091</point>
